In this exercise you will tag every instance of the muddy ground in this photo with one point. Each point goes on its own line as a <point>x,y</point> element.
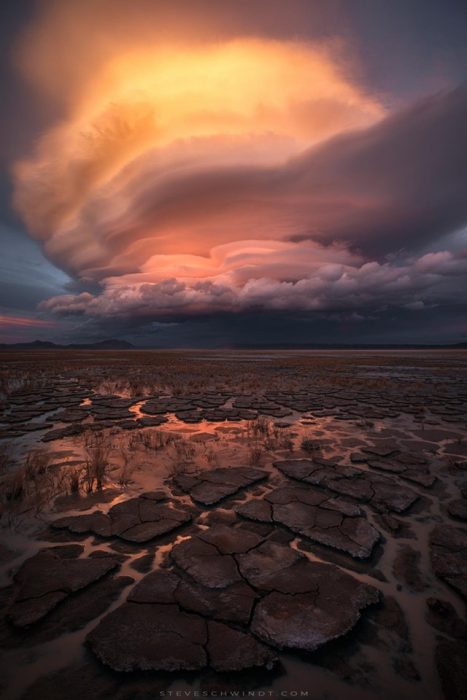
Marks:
<point>291,524</point>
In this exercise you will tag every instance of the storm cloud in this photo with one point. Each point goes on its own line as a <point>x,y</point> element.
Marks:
<point>340,225</point>
<point>238,162</point>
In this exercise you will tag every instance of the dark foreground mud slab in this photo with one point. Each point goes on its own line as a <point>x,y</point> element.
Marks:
<point>176,619</point>
<point>387,457</point>
<point>451,662</point>
<point>233,650</point>
<point>448,546</point>
<point>210,487</point>
<point>164,638</point>
<point>458,509</point>
<point>135,520</point>
<point>150,637</point>
<point>47,579</point>
<point>367,487</point>
<point>442,615</point>
<point>204,563</point>
<point>71,614</point>
<point>89,681</point>
<point>233,603</point>
<point>307,604</point>
<point>319,517</point>
<point>274,569</point>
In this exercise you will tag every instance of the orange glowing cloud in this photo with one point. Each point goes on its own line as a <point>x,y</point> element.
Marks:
<point>243,102</point>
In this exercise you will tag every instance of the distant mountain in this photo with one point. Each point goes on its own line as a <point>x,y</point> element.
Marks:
<point>114,344</point>
<point>111,344</point>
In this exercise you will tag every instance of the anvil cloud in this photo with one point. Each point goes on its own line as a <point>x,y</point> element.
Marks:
<point>198,174</point>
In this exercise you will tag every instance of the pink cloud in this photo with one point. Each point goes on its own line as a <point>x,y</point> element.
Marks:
<point>24,322</point>
<point>348,284</point>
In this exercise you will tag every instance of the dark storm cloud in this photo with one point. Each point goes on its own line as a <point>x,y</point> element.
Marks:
<point>393,325</point>
<point>400,183</point>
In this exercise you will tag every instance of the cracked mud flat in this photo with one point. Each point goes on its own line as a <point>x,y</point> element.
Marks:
<point>281,522</point>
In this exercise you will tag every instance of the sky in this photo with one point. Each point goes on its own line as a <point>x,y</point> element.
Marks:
<point>189,173</point>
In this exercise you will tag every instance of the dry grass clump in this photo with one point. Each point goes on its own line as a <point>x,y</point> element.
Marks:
<point>184,455</point>
<point>454,465</point>
<point>5,384</point>
<point>264,434</point>
<point>279,439</point>
<point>6,458</point>
<point>74,481</point>
<point>152,440</point>
<point>98,447</point>
<point>37,480</point>
<point>131,387</point>
<point>92,474</point>
<point>256,454</point>
<point>31,486</point>
<point>26,380</point>
<point>210,454</point>
<point>259,427</point>
<point>311,447</point>
<point>182,452</point>
<point>125,473</point>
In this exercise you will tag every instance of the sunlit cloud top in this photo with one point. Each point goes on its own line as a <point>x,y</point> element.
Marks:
<point>192,169</point>
<point>177,112</point>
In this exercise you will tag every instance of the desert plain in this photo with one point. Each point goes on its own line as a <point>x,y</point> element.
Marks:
<point>224,523</point>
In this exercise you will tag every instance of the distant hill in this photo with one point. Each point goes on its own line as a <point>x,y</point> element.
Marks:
<point>111,344</point>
